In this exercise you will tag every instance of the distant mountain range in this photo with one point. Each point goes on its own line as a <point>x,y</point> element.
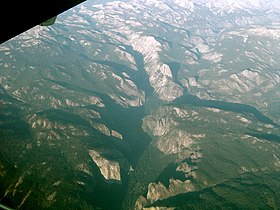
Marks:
<point>143,104</point>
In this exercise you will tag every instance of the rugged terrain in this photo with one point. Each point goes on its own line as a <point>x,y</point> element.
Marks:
<point>144,104</point>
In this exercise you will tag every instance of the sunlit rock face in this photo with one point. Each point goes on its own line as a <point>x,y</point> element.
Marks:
<point>171,140</point>
<point>160,75</point>
<point>109,169</point>
<point>159,191</point>
<point>144,104</point>
<point>164,124</point>
<point>176,141</point>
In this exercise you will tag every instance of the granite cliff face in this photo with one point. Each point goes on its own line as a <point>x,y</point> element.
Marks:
<point>143,104</point>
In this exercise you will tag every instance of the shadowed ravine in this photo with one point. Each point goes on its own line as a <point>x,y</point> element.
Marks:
<point>226,106</point>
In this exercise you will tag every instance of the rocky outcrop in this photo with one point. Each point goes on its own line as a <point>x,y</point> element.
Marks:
<point>160,75</point>
<point>109,169</point>
<point>163,125</point>
<point>157,191</point>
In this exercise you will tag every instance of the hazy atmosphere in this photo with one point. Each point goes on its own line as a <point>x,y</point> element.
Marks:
<point>144,105</point>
